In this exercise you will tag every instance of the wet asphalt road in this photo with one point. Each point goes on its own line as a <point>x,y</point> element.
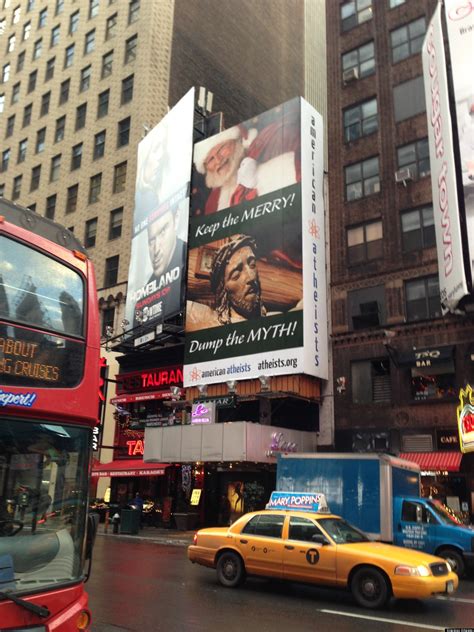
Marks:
<point>148,587</point>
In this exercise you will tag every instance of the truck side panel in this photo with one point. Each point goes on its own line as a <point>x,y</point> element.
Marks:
<point>351,486</point>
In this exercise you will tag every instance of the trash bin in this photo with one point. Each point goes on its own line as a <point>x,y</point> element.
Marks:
<point>130,521</point>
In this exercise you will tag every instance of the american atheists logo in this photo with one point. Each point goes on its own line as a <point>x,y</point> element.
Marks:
<point>465,416</point>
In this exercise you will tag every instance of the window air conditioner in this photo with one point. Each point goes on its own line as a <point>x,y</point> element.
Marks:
<point>350,74</point>
<point>402,175</point>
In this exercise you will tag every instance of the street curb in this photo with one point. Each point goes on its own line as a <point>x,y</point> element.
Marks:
<point>144,538</point>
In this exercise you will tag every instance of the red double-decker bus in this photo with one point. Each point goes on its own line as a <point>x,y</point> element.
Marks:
<point>49,380</point>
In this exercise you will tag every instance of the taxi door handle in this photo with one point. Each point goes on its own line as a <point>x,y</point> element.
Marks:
<point>289,547</point>
<point>243,541</point>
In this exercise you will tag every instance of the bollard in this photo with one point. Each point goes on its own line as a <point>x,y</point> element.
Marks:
<point>115,523</point>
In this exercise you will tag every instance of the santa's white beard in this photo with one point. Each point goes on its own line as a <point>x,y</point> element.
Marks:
<point>216,180</point>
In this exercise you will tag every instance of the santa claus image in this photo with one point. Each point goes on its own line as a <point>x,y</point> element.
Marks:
<point>243,162</point>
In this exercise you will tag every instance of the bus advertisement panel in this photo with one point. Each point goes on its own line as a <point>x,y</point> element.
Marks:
<point>160,221</point>
<point>460,24</point>
<point>256,295</point>
<point>49,366</point>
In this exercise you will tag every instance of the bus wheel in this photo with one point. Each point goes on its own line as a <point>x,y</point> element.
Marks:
<point>369,588</point>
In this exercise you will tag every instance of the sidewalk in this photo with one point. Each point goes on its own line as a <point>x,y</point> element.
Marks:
<point>170,537</point>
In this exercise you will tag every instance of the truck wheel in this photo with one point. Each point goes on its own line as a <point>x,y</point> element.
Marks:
<point>230,570</point>
<point>369,588</point>
<point>455,560</point>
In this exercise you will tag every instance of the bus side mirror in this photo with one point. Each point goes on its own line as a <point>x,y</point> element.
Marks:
<point>92,526</point>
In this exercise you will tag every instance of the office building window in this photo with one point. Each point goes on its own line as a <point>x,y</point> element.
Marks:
<point>43,15</point>
<point>99,145</point>
<point>6,160</point>
<point>32,81</point>
<point>89,42</point>
<point>133,11</point>
<point>10,126</point>
<point>81,114</point>
<point>27,110</point>
<point>11,44</point>
<point>355,12</point>
<point>50,206</point>
<point>55,168</point>
<point>409,99</point>
<point>16,190</point>
<point>107,63</point>
<point>361,61</point>
<point>93,8</point>
<point>130,49</point>
<point>40,140</point>
<point>364,242</point>
<point>49,74</point>
<point>54,36</point>
<point>59,7</point>
<point>60,129</point>
<point>37,48</point>
<point>366,307</point>
<point>360,120</point>
<point>90,233</point>
<point>2,101</point>
<point>103,104</point>
<point>85,81</point>
<point>71,199</point>
<point>22,146</point>
<point>69,56</point>
<point>16,15</point>
<point>111,271</point>
<point>95,185</point>
<point>5,73</point>
<point>111,26</point>
<point>120,177</point>
<point>16,93</point>
<point>45,101</point>
<point>127,89</point>
<point>418,229</point>
<point>362,179</point>
<point>20,62</point>
<point>422,300</point>
<point>30,5</point>
<point>115,225</point>
<point>26,31</point>
<point>76,157</point>
<point>408,39</point>
<point>73,22</point>
<point>64,91</point>
<point>108,317</point>
<point>371,383</point>
<point>35,177</point>
<point>416,157</point>
<point>123,132</point>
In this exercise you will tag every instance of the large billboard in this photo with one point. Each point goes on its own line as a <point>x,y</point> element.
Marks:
<point>460,25</point>
<point>256,292</point>
<point>452,277</point>
<point>160,222</point>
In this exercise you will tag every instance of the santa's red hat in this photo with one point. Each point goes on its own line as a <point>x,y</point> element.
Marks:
<point>238,132</point>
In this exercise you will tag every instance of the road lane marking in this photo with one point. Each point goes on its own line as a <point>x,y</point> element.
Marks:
<point>396,621</point>
<point>455,599</point>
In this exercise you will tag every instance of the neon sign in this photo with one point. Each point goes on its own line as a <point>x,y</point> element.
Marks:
<point>465,416</point>
<point>149,379</point>
<point>135,447</point>
<point>203,414</point>
<point>278,444</point>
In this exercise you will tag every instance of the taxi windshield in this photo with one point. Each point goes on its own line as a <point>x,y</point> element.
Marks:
<point>341,531</point>
<point>43,503</point>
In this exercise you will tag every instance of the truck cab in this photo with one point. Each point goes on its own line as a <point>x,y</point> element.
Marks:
<point>426,524</point>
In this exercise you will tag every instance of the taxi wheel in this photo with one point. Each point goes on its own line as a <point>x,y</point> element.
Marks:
<point>369,588</point>
<point>455,560</point>
<point>230,570</point>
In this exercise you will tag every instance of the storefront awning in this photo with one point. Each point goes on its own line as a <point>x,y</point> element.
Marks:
<point>435,461</point>
<point>141,397</point>
<point>426,357</point>
<point>128,467</point>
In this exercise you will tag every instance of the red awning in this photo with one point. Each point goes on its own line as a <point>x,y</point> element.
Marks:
<point>435,461</point>
<point>128,467</point>
<point>142,397</point>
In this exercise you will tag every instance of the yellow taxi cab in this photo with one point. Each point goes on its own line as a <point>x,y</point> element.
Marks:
<point>297,538</point>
